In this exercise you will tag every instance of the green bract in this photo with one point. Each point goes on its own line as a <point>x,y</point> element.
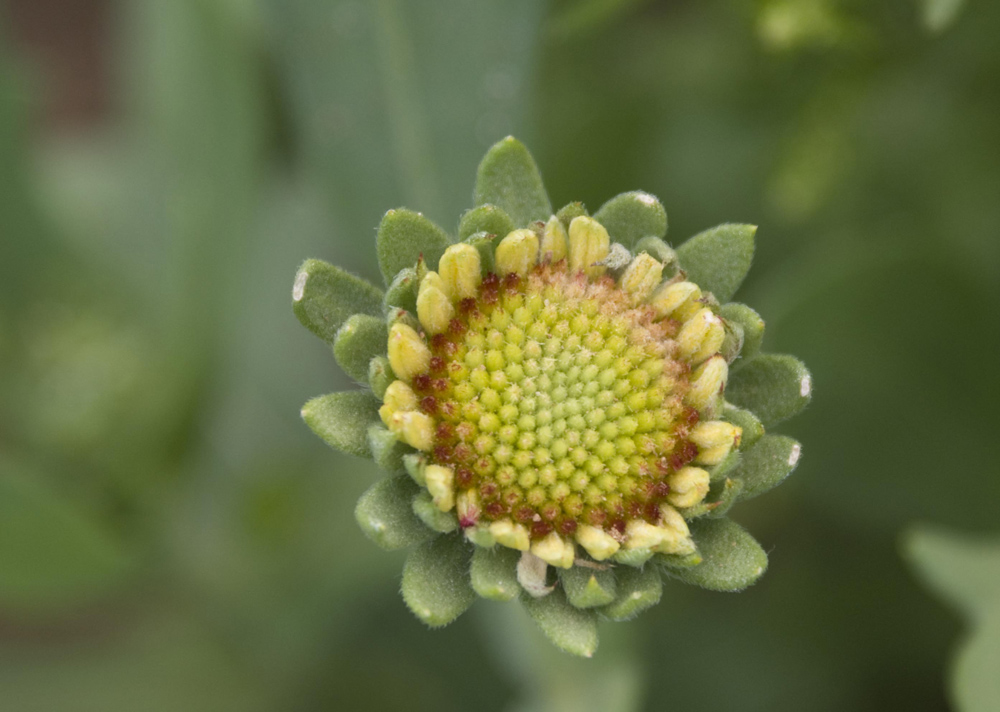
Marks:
<point>565,406</point>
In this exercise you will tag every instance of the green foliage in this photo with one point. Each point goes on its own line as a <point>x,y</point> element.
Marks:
<point>765,465</point>
<point>752,327</point>
<point>342,420</point>
<point>587,588</point>
<point>717,260</point>
<point>358,341</point>
<point>385,514</point>
<point>325,296</point>
<point>731,558</point>
<point>436,580</point>
<point>403,237</point>
<point>508,178</point>
<point>773,387</point>
<point>484,218</point>
<point>494,573</point>
<point>638,589</point>
<point>569,628</point>
<point>629,217</point>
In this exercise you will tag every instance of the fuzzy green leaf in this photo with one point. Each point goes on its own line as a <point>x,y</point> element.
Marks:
<point>630,216</point>
<point>569,211</point>
<point>359,340</point>
<point>753,429</point>
<point>717,260</point>
<point>436,580</point>
<point>767,464</point>
<point>655,247</point>
<point>342,420</point>
<point>753,329</point>
<point>729,463</point>
<point>724,495</point>
<point>385,514</point>
<point>731,558</point>
<point>632,557</point>
<point>386,449</point>
<point>975,684</point>
<point>494,572</point>
<point>962,569</point>
<point>484,218</point>
<point>774,387</point>
<point>732,344</point>
<point>588,588</point>
<point>403,236</point>
<point>431,516</point>
<point>325,296</point>
<point>569,628</point>
<point>380,375</point>
<point>402,291</point>
<point>485,244</point>
<point>508,178</point>
<point>638,589</point>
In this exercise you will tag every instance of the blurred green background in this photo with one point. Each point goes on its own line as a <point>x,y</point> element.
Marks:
<point>173,538</point>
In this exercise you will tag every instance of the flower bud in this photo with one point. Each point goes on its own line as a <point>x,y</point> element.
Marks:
<point>677,537</point>
<point>640,534</point>
<point>517,253</point>
<point>467,508</point>
<point>589,243</point>
<point>415,428</point>
<point>440,483</point>
<point>554,240</point>
<point>460,270</point>
<point>398,397</point>
<point>598,543</point>
<point>700,337</point>
<point>671,297</point>
<point>641,276</point>
<point>715,439</point>
<point>707,382</point>
<point>434,308</point>
<point>555,550</point>
<point>688,486</point>
<point>408,354</point>
<point>514,536</point>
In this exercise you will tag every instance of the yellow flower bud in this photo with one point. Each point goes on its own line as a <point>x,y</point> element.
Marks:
<point>700,337</point>
<point>460,271</point>
<point>514,536</point>
<point>408,354</point>
<point>467,507</point>
<point>589,243</point>
<point>671,297</point>
<point>640,534</point>
<point>715,439</point>
<point>434,308</point>
<point>414,428</point>
<point>706,382</point>
<point>398,397</point>
<point>677,537</point>
<point>688,486</point>
<point>641,276</point>
<point>518,252</point>
<point>553,241</point>
<point>555,550</point>
<point>598,543</point>
<point>441,485</point>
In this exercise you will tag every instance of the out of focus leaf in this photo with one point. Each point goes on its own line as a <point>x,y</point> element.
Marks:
<point>963,570</point>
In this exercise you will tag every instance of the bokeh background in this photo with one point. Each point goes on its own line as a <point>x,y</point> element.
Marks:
<point>173,538</point>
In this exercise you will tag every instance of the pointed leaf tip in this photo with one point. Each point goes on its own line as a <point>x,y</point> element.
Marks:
<point>325,296</point>
<point>342,420</point>
<point>436,580</point>
<point>717,260</point>
<point>405,235</point>
<point>509,178</point>
<point>628,217</point>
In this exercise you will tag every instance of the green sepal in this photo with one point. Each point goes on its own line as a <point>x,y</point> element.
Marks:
<point>752,428</point>
<point>569,628</point>
<point>402,291</point>
<point>655,247</point>
<point>387,450</point>
<point>485,244</point>
<point>342,420</point>
<point>588,588</point>
<point>723,495</point>
<point>731,558</point>
<point>494,573</point>
<point>638,589</point>
<point>401,316</point>
<point>508,178</point>
<point>752,325</point>
<point>630,216</point>
<point>729,463</point>
<point>767,464</point>
<point>325,296</point>
<point>675,562</point>
<point>380,375</point>
<point>717,260</point>
<point>385,514</point>
<point>569,211</point>
<point>775,387</point>
<point>414,464</point>
<point>732,344</point>
<point>632,557</point>
<point>485,218</point>
<point>358,341</point>
<point>403,236</point>
<point>431,516</point>
<point>436,580</point>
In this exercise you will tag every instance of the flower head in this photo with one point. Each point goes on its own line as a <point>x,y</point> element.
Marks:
<point>567,406</point>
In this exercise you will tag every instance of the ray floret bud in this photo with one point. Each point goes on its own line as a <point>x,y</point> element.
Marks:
<point>555,391</point>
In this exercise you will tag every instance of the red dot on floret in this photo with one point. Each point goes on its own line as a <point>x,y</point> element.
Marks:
<point>463,477</point>
<point>437,364</point>
<point>488,489</point>
<point>567,527</point>
<point>429,404</point>
<point>524,514</point>
<point>541,529</point>
<point>421,382</point>
<point>495,509</point>
<point>444,431</point>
